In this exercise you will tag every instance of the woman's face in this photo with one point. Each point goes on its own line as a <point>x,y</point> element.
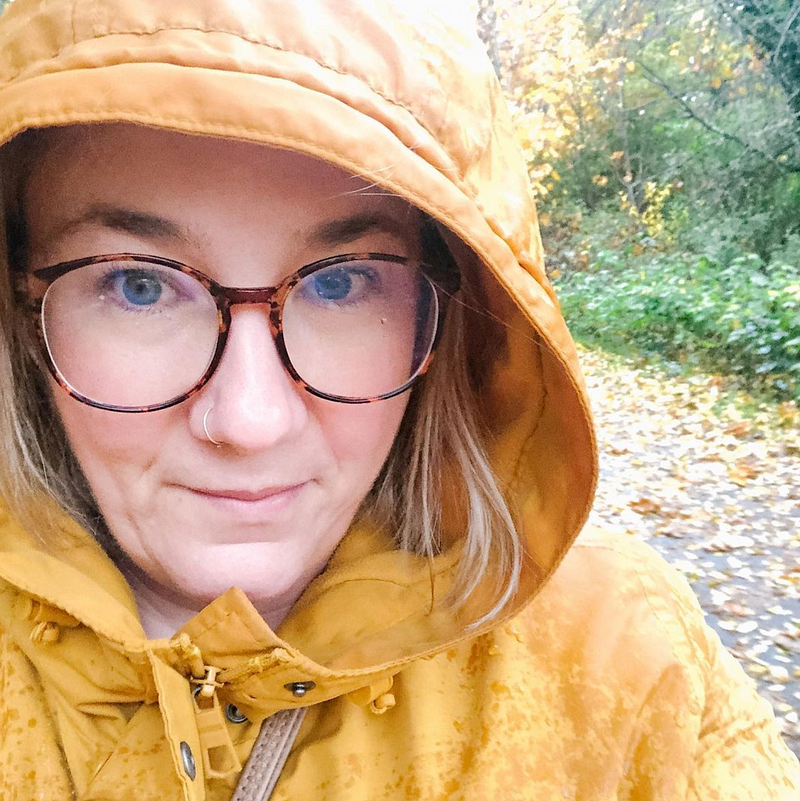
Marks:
<point>265,509</point>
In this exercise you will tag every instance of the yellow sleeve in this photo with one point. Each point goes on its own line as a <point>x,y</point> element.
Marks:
<point>740,755</point>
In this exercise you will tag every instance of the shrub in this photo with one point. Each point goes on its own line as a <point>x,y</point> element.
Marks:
<point>736,319</point>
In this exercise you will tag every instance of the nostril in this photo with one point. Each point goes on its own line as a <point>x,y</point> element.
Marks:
<point>253,402</point>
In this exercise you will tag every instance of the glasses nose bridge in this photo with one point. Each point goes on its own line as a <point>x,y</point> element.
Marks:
<point>236,296</point>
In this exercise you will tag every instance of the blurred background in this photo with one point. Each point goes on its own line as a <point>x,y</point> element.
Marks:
<point>663,141</point>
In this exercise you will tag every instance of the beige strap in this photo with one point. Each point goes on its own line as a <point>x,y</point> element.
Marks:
<point>269,755</point>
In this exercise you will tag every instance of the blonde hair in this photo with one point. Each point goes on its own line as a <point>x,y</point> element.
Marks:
<point>442,447</point>
<point>442,434</point>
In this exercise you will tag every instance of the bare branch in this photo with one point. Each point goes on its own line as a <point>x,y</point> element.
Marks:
<point>786,26</point>
<point>656,79</point>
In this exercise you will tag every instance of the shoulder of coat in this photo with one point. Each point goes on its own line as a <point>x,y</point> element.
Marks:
<point>615,582</point>
<point>625,560</point>
<point>627,556</point>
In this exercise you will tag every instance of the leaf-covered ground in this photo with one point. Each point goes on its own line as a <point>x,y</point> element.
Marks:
<point>712,481</point>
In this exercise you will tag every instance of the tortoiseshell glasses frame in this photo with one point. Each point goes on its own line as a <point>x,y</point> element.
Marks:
<point>35,284</point>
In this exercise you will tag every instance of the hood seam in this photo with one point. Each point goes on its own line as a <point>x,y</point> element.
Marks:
<point>19,75</point>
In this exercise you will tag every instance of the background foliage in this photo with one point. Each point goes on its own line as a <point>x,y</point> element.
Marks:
<point>663,140</point>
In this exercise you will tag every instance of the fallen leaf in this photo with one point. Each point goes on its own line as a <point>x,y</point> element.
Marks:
<point>729,542</point>
<point>741,473</point>
<point>788,413</point>
<point>645,506</point>
<point>732,608</point>
<point>740,429</point>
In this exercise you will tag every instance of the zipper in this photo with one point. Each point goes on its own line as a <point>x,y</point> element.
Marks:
<point>220,759</point>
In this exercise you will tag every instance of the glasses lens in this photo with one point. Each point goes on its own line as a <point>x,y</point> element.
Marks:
<point>360,329</point>
<point>129,333</point>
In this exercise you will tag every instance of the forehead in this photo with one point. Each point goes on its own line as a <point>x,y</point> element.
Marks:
<point>124,150</point>
<point>179,175</point>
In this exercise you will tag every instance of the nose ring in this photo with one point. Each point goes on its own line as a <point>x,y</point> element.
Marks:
<point>205,427</point>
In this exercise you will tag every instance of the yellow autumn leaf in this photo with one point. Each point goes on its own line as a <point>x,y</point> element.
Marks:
<point>645,506</point>
<point>788,413</point>
<point>739,429</point>
<point>740,473</point>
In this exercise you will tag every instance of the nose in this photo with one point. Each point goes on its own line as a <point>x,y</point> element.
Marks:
<point>254,403</point>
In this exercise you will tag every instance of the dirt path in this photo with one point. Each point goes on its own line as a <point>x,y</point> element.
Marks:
<point>718,495</point>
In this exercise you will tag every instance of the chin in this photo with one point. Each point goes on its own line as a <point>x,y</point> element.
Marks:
<point>268,573</point>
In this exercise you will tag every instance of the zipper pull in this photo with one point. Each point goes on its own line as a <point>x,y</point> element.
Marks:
<point>219,755</point>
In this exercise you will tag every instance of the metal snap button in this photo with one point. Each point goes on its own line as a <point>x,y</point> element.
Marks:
<point>188,760</point>
<point>234,714</point>
<point>299,688</point>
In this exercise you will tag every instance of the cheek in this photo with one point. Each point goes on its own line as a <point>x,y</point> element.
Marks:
<point>360,436</point>
<point>109,444</point>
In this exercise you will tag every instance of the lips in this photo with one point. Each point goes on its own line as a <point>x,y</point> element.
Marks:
<point>249,496</point>
<point>260,505</point>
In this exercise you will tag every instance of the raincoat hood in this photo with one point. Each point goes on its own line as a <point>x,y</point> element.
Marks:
<point>357,85</point>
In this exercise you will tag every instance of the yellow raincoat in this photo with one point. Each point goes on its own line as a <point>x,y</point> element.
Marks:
<point>600,682</point>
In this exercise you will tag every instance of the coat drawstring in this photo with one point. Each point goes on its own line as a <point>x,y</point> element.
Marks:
<point>49,620</point>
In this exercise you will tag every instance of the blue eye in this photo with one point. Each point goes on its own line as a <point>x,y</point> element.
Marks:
<point>333,284</point>
<point>141,287</point>
<point>341,287</point>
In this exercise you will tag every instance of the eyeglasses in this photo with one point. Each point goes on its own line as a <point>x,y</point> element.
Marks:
<point>135,333</point>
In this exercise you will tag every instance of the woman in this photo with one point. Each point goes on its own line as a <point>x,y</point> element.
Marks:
<point>295,437</point>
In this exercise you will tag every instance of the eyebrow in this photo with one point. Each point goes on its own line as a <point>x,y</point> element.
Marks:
<point>349,229</point>
<point>155,227</point>
<point>127,221</point>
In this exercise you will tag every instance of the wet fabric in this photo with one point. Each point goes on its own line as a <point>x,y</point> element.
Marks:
<point>599,681</point>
